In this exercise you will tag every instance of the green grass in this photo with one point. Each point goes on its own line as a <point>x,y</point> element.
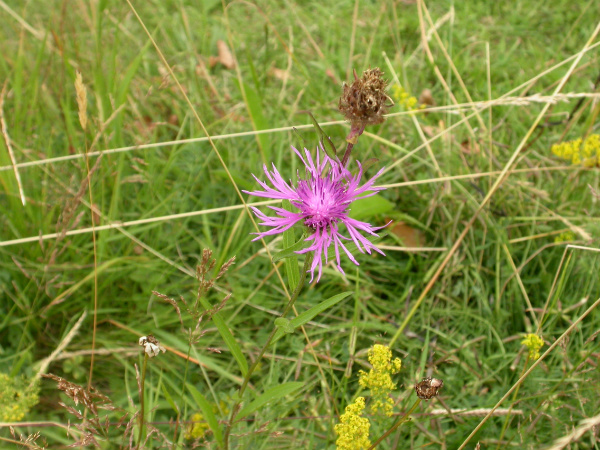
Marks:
<point>468,328</point>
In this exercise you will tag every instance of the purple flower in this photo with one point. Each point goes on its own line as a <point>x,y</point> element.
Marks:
<point>323,200</point>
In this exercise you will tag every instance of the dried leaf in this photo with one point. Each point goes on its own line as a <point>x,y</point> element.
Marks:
<point>426,98</point>
<point>225,57</point>
<point>410,237</point>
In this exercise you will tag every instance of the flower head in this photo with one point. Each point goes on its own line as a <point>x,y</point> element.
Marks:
<point>534,343</point>
<point>364,102</point>
<point>379,378</point>
<point>151,345</point>
<point>353,430</point>
<point>323,201</point>
<point>580,151</point>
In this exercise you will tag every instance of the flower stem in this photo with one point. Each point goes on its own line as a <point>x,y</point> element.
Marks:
<point>512,403</point>
<point>399,422</point>
<point>287,309</point>
<point>352,139</point>
<point>142,383</point>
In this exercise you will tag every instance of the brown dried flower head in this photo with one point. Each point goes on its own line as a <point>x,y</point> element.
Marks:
<point>428,388</point>
<point>364,102</point>
<point>90,398</point>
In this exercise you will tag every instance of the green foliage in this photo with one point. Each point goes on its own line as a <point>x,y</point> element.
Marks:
<point>291,57</point>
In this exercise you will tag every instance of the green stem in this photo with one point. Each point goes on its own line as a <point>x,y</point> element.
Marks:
<point>182,400</point>
<point>509,415</point>
<point>287,309</point>
<point>143,382</point>
<point>400,421</point>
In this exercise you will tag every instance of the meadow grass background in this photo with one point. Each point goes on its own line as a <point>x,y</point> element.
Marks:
<point>292,57</point>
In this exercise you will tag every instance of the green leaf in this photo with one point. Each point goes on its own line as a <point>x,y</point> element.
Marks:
<point>310,314</point>
<point>168,397</point>
<point>290,252</point>
<point>291,262</point>
<point>270,395</point>
<point>230,341</point>
<point>259,122</point>
<point>323,138</point>
<point>284,325</point>
<point>369,207</point>
<point>207,412</point>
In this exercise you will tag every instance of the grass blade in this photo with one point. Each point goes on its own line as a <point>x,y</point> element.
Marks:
<point>311,313</point>
<point>270,395</point>
<point>291,262</point>
<point>207,412</point>
<point>230,341</point>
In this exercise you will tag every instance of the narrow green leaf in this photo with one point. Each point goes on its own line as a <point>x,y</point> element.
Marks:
<point>259,122</point>
<point>323,138</point>
<point>168,397</point>
<point>269,395</point>
<point>290,252</point>
<point>230,341</point>
<point>311,313</point>
<point>291,263</point>
<point>304,145</point>
<point>207,412</point>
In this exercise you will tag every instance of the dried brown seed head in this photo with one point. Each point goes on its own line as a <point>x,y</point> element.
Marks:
<point>364,102</point>
<point>428,388</point>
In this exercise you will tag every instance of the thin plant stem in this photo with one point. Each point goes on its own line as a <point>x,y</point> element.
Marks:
<point>142,383</point>
<point>399,422</point>
<point>287,309</point>
<point>185,374</point>
<point>509,416</point>
<point>351,139</point>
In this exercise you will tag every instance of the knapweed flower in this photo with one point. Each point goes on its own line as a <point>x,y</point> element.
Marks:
<point>534,343</point>
<point>323,201</point>
<point>353,430</point>
<point>379,378</point>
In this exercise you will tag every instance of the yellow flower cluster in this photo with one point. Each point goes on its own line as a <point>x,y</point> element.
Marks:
<point>534,343</point>
<point>16,398</point>
<point>379,378</point>
<point>403,98</point>
<point>353,430</point>
<point>197,428</point>
<point>567,236</point>
<point>579,151</point>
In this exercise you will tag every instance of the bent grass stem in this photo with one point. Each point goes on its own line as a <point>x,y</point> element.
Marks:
<point>393,428</point>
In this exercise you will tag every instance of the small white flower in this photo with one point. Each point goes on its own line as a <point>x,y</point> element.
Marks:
<point>151,345</point>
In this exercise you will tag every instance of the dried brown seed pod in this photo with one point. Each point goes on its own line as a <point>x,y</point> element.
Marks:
<point>428,388</point>
<point>364,102</point>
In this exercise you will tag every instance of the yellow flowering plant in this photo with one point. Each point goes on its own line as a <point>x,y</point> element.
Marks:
<point>404,99</point>
<point>534,343</point>
<point>353,429</point>
<point>379,378</point>
<point>17,397</point>
<point>585,152</point>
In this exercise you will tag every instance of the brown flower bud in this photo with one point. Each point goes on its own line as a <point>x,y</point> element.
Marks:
<point>364,102</point>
